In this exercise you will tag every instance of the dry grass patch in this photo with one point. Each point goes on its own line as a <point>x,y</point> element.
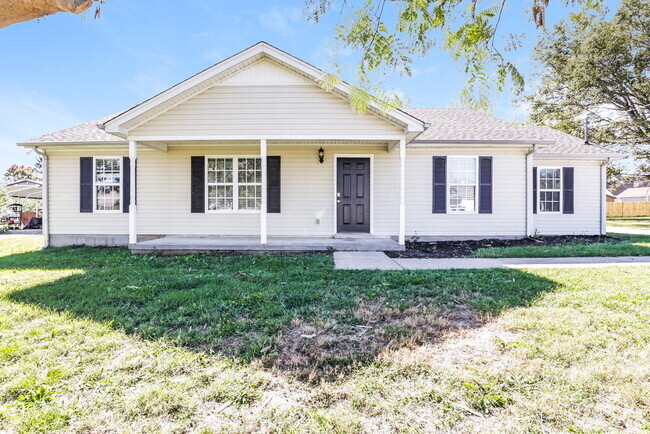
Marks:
<point>331,350</point>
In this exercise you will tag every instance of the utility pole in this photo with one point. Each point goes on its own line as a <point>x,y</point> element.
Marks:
<point>586,130</point>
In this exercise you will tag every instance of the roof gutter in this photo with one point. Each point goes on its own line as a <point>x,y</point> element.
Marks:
<point>593,156</point>
<point>46,200</point>
<point>481,142</point>
<point>86,143</point>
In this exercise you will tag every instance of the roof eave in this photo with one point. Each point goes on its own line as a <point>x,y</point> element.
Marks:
<point>427,142</point>
<point>593,156</point>
<point>82,143</point>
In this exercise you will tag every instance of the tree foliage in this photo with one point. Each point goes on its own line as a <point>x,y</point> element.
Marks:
<point>390,34</point>
<point>599,67</point>
<point>17,172</point>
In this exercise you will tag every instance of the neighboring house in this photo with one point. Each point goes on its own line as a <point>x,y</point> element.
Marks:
<point>611,197</point>
<point>254,147</point>
<point>26,189</point>
<point>635,194</point>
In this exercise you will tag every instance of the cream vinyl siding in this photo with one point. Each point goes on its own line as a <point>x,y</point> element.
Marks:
<point>64,217</point>
<point>586,200</point>
<point>265,71</point>
<point>307,192</point>
<point>508,216</point>
<point>246,110</point>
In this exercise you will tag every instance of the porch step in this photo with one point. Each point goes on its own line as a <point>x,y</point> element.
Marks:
<point>353,236</point>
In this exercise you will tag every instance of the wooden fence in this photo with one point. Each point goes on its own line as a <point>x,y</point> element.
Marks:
<point>628,209</point>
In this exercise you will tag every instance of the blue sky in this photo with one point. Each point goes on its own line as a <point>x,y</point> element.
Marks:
<point>68,69</point>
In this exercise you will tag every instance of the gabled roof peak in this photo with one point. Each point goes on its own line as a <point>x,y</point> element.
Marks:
<point>121,124</point>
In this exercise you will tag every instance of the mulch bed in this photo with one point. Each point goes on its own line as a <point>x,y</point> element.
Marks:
<point>461,249</point>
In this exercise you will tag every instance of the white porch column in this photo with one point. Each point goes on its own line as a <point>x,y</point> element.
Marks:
<point>402,191</point>
<point>529,194</point>
<point>263,237</point>
<point>133,157</point>
<point>603,198</point>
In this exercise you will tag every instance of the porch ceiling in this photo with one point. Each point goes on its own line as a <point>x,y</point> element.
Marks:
<point>162,145</point>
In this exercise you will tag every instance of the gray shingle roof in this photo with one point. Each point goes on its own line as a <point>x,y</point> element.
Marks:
<point>458,124</point>
<point>566,143</point>
<point>87,132</point>
<point>446,124</point>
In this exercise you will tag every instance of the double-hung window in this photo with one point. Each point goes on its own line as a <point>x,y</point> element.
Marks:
<point>234,183</point>
<point>462,176</point>
<point>550,189</point>
<point>108,183</point>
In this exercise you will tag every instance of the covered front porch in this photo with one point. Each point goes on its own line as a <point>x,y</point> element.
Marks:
<point>309,186</point>
<point>176,244</point>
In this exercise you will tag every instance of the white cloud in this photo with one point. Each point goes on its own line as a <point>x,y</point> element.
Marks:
<point>213,55</point>
<point>154,78</point>
<point>26,114</point>
<point>427,70</point>
<point>281,20</point>
<point>146,84</point>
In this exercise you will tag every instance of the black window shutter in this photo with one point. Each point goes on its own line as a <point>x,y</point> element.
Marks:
<point>534,190</point>
<point>485,185</point>
<point>439,185</point>
<point>567,190</point>
<point>273,184</point>
<point>198,184</point>
<point>86,184</point>
<point>126,184</point>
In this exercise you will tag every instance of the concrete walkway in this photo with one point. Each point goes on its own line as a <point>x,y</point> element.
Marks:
<point>379,261</point>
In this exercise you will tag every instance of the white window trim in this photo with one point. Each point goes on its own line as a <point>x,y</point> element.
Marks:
<point>448,181</point>
<point>539,189</point>
<point>108,211</point>
<point>235,186</point>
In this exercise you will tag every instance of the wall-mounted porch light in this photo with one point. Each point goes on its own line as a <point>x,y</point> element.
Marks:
<point>321,155</point>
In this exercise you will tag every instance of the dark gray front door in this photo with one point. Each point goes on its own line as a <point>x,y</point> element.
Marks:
<point>353,194</point>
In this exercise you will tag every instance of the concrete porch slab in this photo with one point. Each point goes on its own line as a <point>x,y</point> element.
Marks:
<point>184,245</point>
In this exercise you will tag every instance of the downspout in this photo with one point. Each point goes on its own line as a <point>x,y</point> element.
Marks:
<point>529,191</point>
<point>603,197</point>
<point>46,206</point>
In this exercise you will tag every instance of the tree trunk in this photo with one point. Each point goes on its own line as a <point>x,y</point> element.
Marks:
<point>16,11</point>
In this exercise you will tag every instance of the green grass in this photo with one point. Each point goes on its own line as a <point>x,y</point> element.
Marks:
<point>622,245</point>
<point>629,222</point>
<point>98,340</point>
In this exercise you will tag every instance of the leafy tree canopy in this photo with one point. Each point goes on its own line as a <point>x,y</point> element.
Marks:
<point>599,67</point>
<point>390,34</point>
<point>16,172</point>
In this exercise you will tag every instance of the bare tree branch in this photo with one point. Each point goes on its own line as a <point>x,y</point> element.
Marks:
<point>16,11</point>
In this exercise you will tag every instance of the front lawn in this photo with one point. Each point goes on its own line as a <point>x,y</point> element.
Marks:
<point>619,245</point>
<point>629,222</point>
<point>99,340</point>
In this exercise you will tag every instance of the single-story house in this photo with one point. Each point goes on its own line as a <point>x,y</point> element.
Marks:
<point>256,152</point>
<point>635,194</point>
